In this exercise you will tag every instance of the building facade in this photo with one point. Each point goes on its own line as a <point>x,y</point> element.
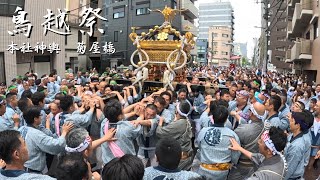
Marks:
<point>240,49</point>
<point>256,53</point>
<point>303,31</point>
<point>18,63</point>
<point>220,43</point>
<point>202,46</point>
<point>278,43</point>
<point>210,15</point>
<point>122,15</point>
<point>214,14</point>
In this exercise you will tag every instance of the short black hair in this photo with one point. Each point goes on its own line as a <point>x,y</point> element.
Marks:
<point>9,142</point>
<point>301,119</point>
<point>174,94</point>
<point>23,104</point>
<point>223,92</point>
<point>220,114</point>
<point>240,83</point>
<point>59,96</point>
<point>37,82</point>
<point>31,113</point>
<point>66,102</point>
<point>247,83</point>
<point>195,88</point>
<point>309,118</point>
<point>112,110</point>
<point>126,167</point>
<point>213,106</point>
<point>41,89</point>
<point>255,90</point>
<point>27,94</point>
<point>37,97</point>
<point>314,100</point>
<point>166,93</point>
<point>160,100</point>
<point>301,105</point>
<point>182,90</point>
<point>275,100</point>
<point>278,138</point>
<point>168,152</point>
<point>275,90</point>
<point>72,166</point>
<point>223,102</point>
<point>184,107</point>
<point>9,96</point>
<point>152,106</point>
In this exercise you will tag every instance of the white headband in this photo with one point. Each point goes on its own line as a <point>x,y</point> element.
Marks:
<point>44,78</point>
<point>256,114</point>
<point>266,138</point>
<point>181,113</point>
<point>83,146</point>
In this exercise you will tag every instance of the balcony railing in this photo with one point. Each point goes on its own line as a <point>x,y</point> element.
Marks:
<point>191,9</point>
<point>301,50</point>
<point>289,26</point>
<point>73,19</point>
<point>306,10</point>
<point>301,17</point>
<point>288,56</point>
<point>296,14</point>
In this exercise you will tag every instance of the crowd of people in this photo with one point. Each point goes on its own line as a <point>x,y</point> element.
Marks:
<point>218,124</point>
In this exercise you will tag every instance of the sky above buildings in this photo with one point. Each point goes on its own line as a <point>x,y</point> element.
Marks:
<point>247,16</point>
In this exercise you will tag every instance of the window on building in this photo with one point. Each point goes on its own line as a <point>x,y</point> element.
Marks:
<point>224,53</point>
<point>142,11</point>
<point>65,39</point>
<point>94,4</point>
<point>115,37</point>
<point>214,34</point>
<point>225,35</point>
<point>79,36</point>
<point>279,58</point>
<point>280,48</point>
<point>316,30</point>
<point>118,13</point>
<point>173,4</point>
<point>282,29</point>
<point>8,7</point>
<point>283,38</point>
<point>215,52</point>
<point>308,35</point>
<point>92,40</point>
<point>2,68</point>
<point>115,1</point>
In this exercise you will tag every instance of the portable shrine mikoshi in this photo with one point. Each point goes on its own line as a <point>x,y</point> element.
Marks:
<point>162,49</point>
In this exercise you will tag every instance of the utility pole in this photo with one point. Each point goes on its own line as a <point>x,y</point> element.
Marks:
<point>267,32</point>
